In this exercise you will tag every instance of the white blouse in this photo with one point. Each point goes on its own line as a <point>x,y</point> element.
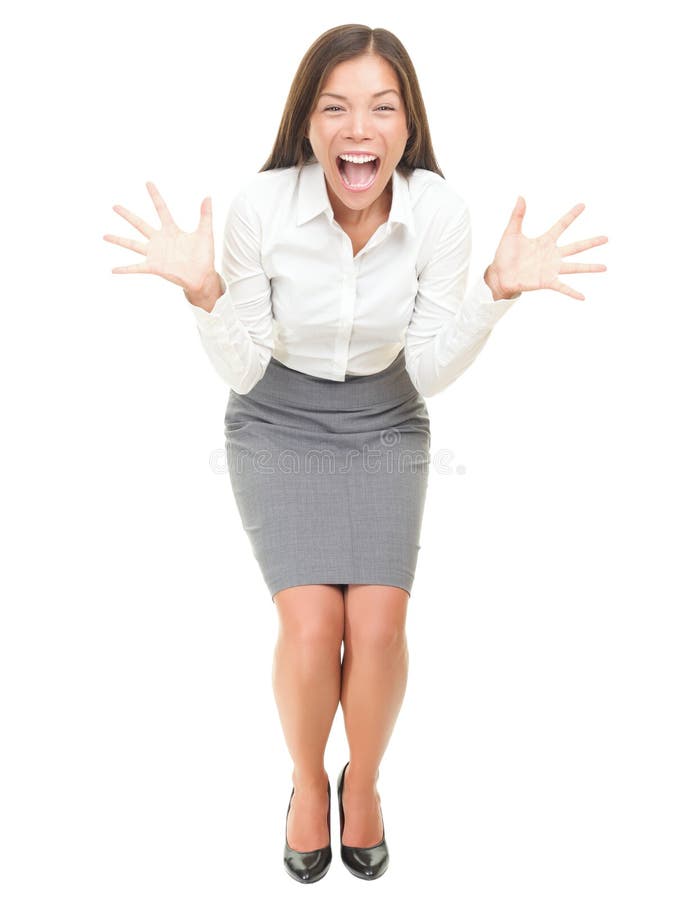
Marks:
<point>294,289</point>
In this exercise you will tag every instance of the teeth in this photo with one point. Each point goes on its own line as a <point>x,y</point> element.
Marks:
<point>357,159</point>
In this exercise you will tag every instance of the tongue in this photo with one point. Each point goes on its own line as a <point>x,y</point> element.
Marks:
<point>358,173</point>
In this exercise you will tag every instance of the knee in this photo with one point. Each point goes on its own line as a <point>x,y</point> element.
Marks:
<point>373,636</point>
<point>319,634</point>
<point>311,619</point>
<point>375,617</point>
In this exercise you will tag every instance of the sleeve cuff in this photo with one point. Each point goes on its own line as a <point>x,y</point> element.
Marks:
<point>221,316</point>
<point>481,305</point>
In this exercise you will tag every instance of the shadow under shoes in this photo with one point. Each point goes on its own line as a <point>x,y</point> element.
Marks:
<point>364,862</point>
<point>307,866</point>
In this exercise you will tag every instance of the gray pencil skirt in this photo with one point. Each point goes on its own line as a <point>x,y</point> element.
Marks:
<point>330,477</point>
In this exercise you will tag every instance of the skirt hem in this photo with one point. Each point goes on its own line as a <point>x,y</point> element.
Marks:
<point>388,580</point>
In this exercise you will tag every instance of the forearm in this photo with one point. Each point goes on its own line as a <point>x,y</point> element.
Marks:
<point>436,360</point>
<point>238,340</point>
<point>238,359</point>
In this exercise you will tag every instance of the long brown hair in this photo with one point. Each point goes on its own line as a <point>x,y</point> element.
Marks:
<point>292,148</point>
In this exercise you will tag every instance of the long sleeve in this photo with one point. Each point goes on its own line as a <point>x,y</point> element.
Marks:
<point>447,329</point>
<point>237,334</point>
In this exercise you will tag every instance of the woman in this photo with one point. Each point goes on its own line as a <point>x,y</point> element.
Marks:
<point>342,305</point>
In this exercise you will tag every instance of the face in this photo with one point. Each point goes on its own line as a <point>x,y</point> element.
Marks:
<point>362,120</point>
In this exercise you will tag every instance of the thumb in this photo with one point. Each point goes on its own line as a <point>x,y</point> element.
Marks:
<point>205,215</point>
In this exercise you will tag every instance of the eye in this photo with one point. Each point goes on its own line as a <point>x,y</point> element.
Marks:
<point>379,107</point>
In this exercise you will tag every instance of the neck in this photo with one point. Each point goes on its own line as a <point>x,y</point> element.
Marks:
<point>360,218</point>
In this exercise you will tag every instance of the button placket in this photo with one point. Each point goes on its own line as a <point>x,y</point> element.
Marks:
<point>341,347</point>
<point>347,303</point>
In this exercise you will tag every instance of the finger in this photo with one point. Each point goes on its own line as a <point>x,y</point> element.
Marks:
<point>136,246</point>
<point>565,289</point>
<point>134,220</point>
<point>160,205</point>
<point>205,215</point>
<point>579,246</point>
<point>565,221</point>
<point>139,267</point>
<point>515,225</point>
<point>566,268</point>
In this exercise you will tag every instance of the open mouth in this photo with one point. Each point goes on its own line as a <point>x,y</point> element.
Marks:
<point>358,176</point>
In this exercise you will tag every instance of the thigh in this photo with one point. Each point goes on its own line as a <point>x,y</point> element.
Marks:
<point>311,610</point>
<point>375,613</point>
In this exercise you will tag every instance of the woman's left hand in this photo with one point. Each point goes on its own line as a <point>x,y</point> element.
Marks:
<point>529,264</point>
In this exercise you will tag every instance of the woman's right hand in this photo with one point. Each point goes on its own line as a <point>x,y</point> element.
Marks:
<point>184,258</point>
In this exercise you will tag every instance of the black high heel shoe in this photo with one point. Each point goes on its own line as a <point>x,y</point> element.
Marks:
<point>364,862</point>
<point>307,865</point>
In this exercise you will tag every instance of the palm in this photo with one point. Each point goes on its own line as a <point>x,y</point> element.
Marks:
<point>184,258</point>
<point>529,264</point>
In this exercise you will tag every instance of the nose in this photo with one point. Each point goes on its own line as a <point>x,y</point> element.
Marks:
<point>359,126</point>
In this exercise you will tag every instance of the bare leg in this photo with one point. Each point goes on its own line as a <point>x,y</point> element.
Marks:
<point>306,680</point>
<point>374,677</point>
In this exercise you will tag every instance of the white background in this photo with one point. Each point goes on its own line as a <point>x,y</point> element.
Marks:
<point>142,755</point>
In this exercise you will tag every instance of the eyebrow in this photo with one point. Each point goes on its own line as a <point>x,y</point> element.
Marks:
<point>340,97</point>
